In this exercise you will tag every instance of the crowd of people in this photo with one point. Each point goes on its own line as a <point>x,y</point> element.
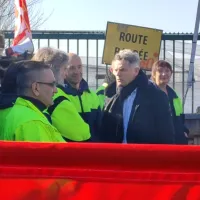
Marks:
<point>46,99</point>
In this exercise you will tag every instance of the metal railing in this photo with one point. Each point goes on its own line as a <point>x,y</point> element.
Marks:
<point>175,48</point>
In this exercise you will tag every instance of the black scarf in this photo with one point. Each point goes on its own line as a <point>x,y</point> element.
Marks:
<point>116,96</point>
<point>115,99</point>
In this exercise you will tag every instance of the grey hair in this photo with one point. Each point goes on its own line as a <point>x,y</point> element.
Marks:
<point>51,56</point>
<point>128,55</point>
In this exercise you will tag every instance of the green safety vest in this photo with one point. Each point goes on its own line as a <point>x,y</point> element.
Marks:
<point>87,104</point>
<point>25,122</point>
<point>67,120</point>
<point>101,95</point>
<point>178,106</point>
<point>3,115</point>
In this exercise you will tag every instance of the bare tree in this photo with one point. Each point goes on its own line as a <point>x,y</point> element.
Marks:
<point>7,16</point>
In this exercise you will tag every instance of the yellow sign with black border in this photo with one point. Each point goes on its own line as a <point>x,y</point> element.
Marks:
<point>145,41</point>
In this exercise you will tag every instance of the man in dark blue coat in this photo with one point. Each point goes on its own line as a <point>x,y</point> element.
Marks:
<point>135,111</point>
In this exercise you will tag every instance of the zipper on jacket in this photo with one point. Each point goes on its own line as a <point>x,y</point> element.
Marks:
<point>132,118</point>
<point>118,121</point>
<point>135,110</point>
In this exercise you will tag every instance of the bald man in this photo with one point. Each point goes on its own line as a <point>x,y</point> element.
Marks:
<point>75,71</point>
<point>86,101</point>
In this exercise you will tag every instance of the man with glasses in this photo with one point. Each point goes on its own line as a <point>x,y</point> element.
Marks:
<point>63,113</point>
<point>26,122</point>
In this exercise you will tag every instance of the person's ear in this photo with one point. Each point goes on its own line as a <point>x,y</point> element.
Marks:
<point>111,69</point>
<point>153,77</point>
<point>137,70</point>
<point>36,89</point>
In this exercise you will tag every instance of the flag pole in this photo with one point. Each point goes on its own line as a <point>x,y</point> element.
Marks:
<point>191,79</point>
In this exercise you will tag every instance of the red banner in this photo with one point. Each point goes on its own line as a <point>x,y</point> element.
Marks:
<point>98,171</point>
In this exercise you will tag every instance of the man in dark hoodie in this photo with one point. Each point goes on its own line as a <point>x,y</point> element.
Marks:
<point>135,111</point>
<point>2,72</point>
<point>8,93</point>
<point>4,64</point>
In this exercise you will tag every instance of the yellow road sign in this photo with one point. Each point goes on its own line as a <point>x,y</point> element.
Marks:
<point>145,41</point>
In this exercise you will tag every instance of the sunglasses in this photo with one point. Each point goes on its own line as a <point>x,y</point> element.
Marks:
<point>52,84</point>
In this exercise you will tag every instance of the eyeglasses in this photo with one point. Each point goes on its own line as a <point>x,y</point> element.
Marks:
<point>52,84</point>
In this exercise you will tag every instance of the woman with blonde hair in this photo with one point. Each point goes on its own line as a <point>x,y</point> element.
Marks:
<point>160,75</point>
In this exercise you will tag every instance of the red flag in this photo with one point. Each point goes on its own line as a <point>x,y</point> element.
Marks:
<point>22,24</point>
<point>22,37</point>
<point>98,171</point>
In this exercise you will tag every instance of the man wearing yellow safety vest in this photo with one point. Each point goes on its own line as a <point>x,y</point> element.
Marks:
<point>63,113</point>
<point>26,122</point>
<point>85,100</point>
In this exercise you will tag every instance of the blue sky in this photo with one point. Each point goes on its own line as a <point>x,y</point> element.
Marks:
<point>168,15</point>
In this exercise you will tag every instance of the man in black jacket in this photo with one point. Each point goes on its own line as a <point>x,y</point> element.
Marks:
<point>135,111</point>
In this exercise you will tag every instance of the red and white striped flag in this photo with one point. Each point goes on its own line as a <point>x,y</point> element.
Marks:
<point>22,37</point>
